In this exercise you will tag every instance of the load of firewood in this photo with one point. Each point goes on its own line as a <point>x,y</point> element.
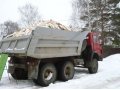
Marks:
<point>46,24</point>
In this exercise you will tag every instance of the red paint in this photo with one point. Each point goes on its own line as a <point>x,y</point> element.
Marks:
<point>93,40</point>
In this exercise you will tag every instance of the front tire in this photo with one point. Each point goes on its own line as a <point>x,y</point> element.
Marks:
<point>93,66</point>
<point>47,74</point>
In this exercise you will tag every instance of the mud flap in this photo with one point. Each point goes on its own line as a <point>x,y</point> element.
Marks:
<point>33,70</point>
<point>3,60</point>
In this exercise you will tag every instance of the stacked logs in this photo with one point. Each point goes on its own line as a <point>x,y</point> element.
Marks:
<point>46,24</point>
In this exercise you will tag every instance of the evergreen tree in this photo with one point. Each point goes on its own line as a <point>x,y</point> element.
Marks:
<point>104,17</point>
<point>115,22</point>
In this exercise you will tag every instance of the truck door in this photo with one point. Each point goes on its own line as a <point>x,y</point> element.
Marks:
<point>96,44</point>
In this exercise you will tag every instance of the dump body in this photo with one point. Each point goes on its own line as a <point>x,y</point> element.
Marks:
<point>45,43</point>
<point>38,56</point>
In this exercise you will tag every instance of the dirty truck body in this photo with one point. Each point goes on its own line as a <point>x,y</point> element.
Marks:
<point>47,55</point>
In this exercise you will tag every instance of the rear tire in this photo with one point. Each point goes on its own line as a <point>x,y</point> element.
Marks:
<point>66,71</point>
<point>93,66</point>
<point>19,74</point>
<point>47,74</point>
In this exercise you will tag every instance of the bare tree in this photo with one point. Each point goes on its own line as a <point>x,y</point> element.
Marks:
<point>79,10</point>
<point>29,14</point>
<point>2,31</point>
<point>93,13</point>
<point>10,27</point>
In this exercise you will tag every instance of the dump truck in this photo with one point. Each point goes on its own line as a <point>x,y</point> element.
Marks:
<point>47,54</point>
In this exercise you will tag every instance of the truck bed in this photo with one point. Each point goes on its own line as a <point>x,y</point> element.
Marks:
<point>45,43</point>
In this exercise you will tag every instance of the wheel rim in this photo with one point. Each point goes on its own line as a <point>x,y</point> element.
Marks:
<point>48,74</point>
<point>67,71</point>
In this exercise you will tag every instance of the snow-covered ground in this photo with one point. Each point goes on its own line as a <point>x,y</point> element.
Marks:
<point>108,76</point>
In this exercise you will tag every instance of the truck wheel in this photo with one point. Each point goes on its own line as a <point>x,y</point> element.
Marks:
<point>19,74</point>
<point>47,74</point>
<point>93,66</point>
<point>66,71</point>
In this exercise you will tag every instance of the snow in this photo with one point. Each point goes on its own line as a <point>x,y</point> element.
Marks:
<point>108,77</point>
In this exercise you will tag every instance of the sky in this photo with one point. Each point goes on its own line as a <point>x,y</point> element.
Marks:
<point>58,10</point>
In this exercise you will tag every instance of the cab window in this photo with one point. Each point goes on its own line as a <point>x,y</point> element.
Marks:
<point>95,38</point>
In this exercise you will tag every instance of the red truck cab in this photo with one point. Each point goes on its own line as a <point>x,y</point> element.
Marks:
<point>94,43</point>
<point>93,52</point>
